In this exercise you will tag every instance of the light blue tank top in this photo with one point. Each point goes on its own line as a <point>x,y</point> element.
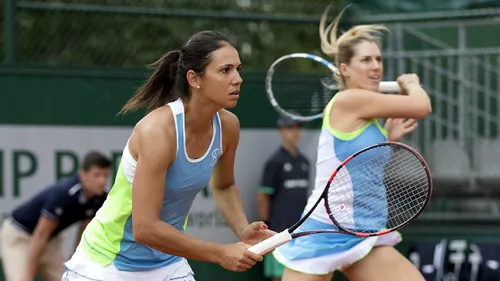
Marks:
<point>109,237</point>
<point>366,183</point>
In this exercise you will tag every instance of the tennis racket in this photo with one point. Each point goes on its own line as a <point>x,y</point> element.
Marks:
<point>300,85</point>
<point>377,190</point>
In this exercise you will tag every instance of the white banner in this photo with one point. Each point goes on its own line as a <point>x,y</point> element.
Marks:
<point>32,157</point>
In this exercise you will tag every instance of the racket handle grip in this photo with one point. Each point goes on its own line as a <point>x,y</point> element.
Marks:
<point>271,243</point>
<point>389,87</point>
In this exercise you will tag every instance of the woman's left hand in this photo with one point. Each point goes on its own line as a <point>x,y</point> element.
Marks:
<point>398,127</point>
<point>256,232</point>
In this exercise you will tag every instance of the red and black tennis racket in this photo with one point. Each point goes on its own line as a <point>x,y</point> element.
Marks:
<point>377,190</point>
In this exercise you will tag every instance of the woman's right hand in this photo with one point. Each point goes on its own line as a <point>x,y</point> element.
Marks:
<point>406,81</point>
<point>237,257</point>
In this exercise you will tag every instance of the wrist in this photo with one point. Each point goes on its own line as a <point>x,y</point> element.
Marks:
<point>393,139</point>
<point>241,230</point>
<point>216,254</point>
<point>412,85</point>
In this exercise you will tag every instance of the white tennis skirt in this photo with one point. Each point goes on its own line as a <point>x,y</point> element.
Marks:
<point>320,254</point>
<point>82,268</point>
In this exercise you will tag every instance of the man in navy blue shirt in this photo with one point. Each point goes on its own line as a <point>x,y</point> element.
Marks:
<point>30,240</point>
<point>285,183</point>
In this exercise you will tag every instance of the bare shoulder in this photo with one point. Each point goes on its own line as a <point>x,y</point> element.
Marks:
<point>353,97</point>
<point>353,102</point>
<point>365,104</point>
<point>230,128</point>
<point>229,121</point>
<point>155,130</point>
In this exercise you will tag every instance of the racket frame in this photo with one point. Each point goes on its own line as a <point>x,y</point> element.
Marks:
<point>385,86</point>
<point>387,143</point>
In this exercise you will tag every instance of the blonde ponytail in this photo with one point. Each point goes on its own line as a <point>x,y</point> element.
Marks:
<point>328,45</point>
<point>341,49</point>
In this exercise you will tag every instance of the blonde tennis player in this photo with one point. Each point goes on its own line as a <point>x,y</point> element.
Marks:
<point>350,124</point>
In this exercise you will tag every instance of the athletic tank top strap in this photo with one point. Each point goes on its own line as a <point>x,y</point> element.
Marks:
<point>351,135</point>
<point>215,146</point>
<point>177,108</point>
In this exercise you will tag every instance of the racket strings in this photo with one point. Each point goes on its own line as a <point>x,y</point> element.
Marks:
<point>298,86</point>
<point>407,194</point>
<point>304,97</point>
<point>404,198</point>
<point>379,189</point>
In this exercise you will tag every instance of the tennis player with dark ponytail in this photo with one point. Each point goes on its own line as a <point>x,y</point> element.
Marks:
<point>170,156</point>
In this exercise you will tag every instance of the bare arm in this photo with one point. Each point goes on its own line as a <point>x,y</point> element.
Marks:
<point>264,206</point>
<point>79,234</point>
<point>367,104</point>
<point>225,192</point>
<point>43,230</point>
<point>154,148</point>
<point>266,190</point>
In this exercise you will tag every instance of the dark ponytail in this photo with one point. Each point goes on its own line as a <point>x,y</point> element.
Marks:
<point>168,81</point>
<point>159,88</point>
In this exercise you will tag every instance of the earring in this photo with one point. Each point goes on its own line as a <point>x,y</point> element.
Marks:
<point>197,87</point>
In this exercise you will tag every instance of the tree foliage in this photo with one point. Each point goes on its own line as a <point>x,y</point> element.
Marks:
<point>130,34</point>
